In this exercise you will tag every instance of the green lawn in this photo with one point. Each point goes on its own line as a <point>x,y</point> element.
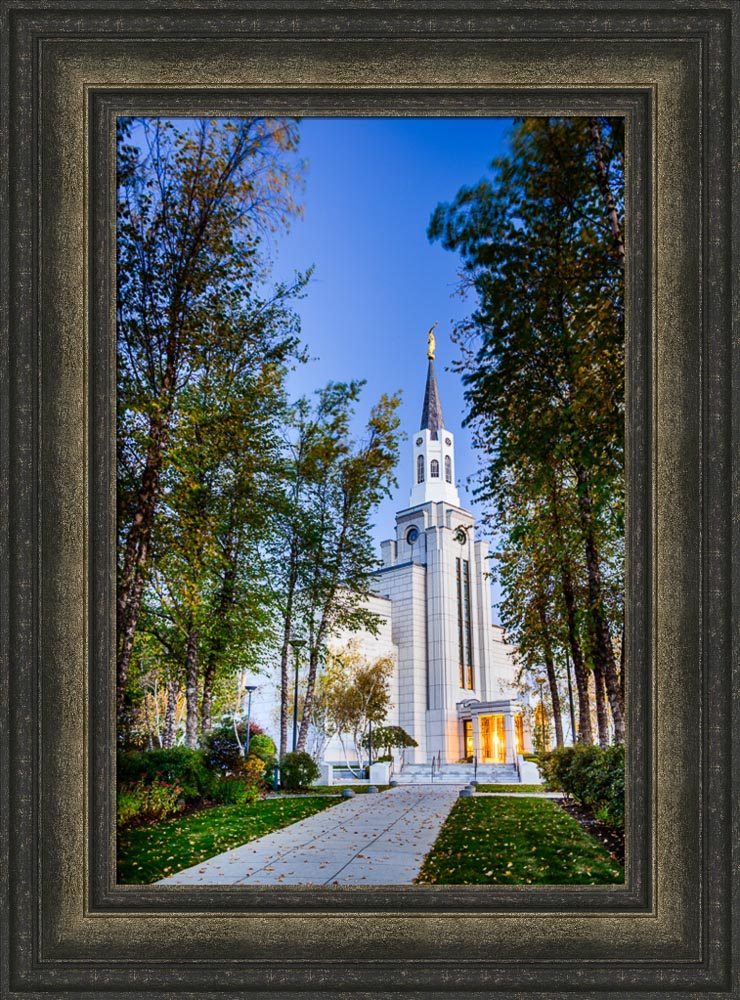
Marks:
<point>149,853</point>
<point>511,788</point>
<point>516,841</point>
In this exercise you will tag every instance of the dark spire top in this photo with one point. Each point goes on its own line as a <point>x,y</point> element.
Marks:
<point>431,414</point>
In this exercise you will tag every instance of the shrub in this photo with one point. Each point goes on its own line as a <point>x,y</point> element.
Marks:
<point>253,779</point>
<point>222,749</point>
<point>590,775</point>
<point>263,746</point>
<point>179,765</point>
<point>140,802</point>
<point>297,770</point>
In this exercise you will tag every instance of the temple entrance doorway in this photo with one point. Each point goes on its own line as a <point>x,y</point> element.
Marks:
<point>493,739</point>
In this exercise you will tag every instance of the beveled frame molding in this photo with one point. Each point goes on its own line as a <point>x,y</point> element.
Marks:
<point>68,69</point>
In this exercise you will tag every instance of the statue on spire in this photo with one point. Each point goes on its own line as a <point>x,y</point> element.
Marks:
<point>431,342</point>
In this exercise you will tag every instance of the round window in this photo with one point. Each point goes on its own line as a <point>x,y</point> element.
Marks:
<point>412,535</point>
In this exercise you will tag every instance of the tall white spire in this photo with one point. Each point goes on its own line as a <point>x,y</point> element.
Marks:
<point>434,447</point>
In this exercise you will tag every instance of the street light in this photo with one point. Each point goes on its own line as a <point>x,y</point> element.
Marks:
<point>296,645</point>
<point>250,689</point>
<point>541,681</point>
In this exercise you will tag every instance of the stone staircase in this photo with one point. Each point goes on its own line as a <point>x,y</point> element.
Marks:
<point>458,774</point>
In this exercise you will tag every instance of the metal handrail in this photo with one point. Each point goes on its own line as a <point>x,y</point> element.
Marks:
<point>475,767</point>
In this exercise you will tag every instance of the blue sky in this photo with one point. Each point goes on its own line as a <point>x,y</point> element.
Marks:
<point>378,284</point>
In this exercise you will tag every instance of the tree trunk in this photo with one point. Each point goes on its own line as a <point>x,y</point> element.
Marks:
<point>602,644</point>
<point>191,689</point>
<point>313,666</point>
<point>600,702</point>
<point>284,652</point>
<point>315,638</point>
<point>552,679</point>
<point>136,553</point>
<point>168,737</point>
<point>216,649</point>
<point>327,602</point>
<point>585,730</point>
<point>602,178</point>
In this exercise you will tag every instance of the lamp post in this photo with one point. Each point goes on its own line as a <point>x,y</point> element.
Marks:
<point>296,645</point>
<point>250,689</point>
<point>541,680</point>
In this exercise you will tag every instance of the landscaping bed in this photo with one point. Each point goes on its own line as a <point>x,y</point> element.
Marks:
<point>515,841</point>
<point>610,837</point>
<point>335,790</point>
<point>149,853</point>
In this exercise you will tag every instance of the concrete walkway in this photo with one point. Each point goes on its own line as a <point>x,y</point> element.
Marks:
<point>368,840</point>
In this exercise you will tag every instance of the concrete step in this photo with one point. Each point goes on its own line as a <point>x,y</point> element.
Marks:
<point>458,774</point>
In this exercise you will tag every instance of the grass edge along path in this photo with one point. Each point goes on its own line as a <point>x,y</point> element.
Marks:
<point>515,841</point>
<point>503,789</point>
<point>149,853</point>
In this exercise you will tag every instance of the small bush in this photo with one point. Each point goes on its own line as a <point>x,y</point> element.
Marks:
<point>140,802</point>
<point>590,775</point>
<point>297,770</point>
<point>222,750</point>
<point>263,746</point>
<point>228,791</point>
<point>181,765</point>
<point>253,780</point>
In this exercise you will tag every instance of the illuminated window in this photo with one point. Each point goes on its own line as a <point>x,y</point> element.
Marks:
<point>464,624</point>
<point>448,468</point>
<point>542,725</point>
<point>434,469</point>
<point>468,735</point>
<point>519,732</point>
<point>420,468</point>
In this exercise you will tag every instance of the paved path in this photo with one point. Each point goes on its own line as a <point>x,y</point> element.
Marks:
<point>368,840</point>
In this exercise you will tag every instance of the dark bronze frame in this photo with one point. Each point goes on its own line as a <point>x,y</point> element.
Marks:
<point>67,70</point>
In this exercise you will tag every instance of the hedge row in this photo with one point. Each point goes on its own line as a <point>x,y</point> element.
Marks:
<point>590,775</point>
<point>154,783</point>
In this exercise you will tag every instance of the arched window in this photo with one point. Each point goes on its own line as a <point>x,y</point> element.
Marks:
<point>420,468</point>
<point>448,468</point>
<point>434,469</point>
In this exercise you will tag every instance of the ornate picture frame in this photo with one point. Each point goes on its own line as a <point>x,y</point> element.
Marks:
<point>68,70</point>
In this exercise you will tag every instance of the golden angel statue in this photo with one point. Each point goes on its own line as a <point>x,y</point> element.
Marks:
<point>431,343</point>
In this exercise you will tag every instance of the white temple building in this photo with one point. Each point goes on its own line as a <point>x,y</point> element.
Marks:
<point>453,687</point>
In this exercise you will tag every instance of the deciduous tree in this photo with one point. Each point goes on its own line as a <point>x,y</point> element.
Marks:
<point>543,364</point>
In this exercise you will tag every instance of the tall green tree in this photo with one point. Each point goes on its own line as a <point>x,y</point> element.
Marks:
<point>194,205</point>
<point>543,359</point>
<point>321,557</point>
<point>341,559</point>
